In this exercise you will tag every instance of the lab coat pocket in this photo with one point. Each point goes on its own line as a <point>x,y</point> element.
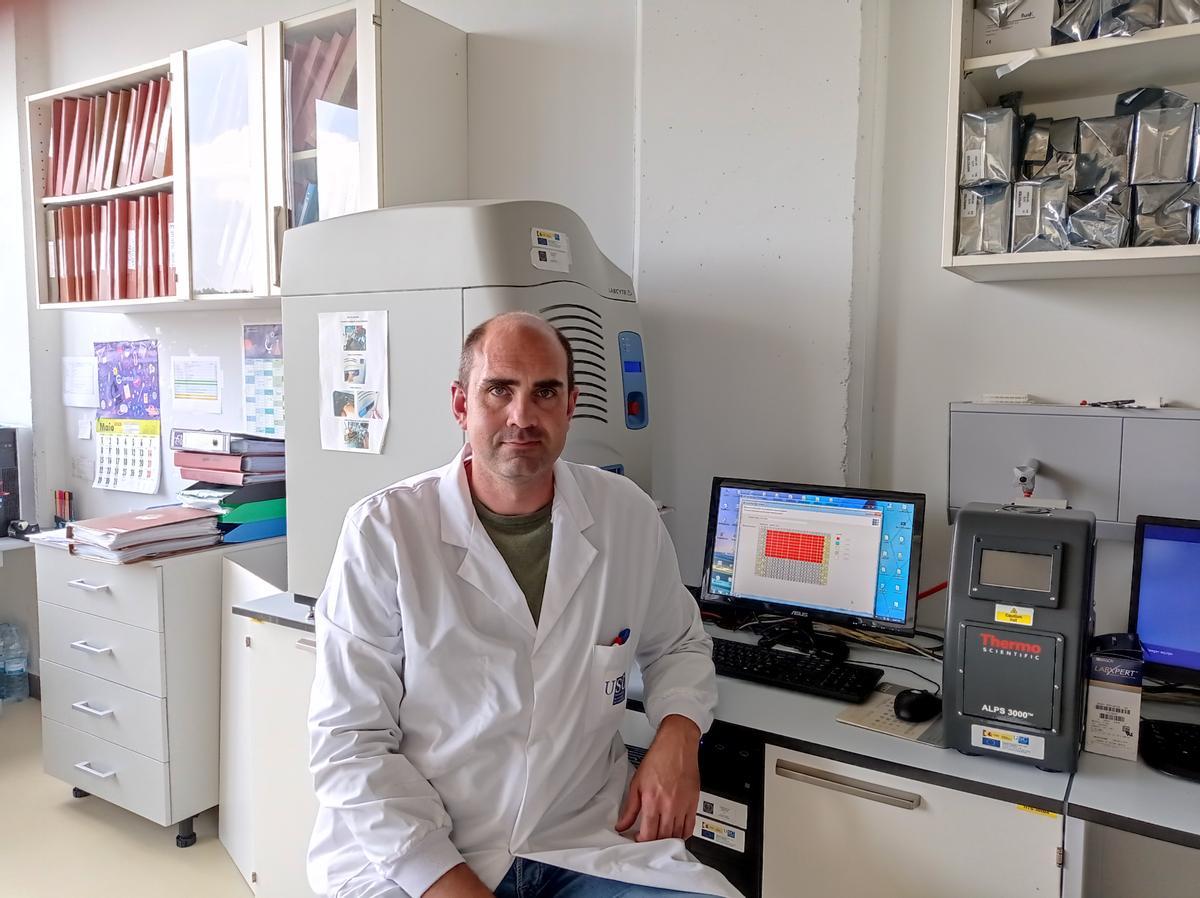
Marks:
<point>606,685</point>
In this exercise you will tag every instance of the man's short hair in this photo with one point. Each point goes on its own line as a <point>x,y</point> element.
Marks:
<point>466,360</point>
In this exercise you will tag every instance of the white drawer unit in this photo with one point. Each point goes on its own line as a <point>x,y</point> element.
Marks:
<point>130,593</point>
<point>114,773</point>
<point>108,710</point>
<point>131,658</point>
<point>104,648</point>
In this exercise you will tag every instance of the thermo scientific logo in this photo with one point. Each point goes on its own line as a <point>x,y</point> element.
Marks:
<point>993,644</point>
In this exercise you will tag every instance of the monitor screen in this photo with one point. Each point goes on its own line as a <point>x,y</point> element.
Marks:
<point>1165,599</point>
<point>836,554</point>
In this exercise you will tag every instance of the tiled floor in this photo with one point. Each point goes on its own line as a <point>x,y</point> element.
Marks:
<point>56,846</point>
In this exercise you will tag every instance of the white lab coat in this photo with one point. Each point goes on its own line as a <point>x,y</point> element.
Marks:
<point>445,726</point>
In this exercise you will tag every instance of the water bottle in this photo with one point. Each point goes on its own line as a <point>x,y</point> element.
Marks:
<point>5,639</point>
<point>16,678</point>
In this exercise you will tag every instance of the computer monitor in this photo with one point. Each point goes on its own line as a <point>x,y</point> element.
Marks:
<point>834,554</point>
<point>1164,602</point>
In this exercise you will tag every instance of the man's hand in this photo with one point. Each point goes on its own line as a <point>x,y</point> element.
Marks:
<point>458,882</point>
<point>666,787</point>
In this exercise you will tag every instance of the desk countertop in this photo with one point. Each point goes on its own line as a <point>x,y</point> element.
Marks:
<point>1122,794</point>
<point>1130,796</point>
<point>281,608</point>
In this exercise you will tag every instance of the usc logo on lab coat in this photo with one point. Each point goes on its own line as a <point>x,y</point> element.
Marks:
<point>615,688</point>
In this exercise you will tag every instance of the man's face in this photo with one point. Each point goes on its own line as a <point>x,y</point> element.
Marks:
<point>516,408</point>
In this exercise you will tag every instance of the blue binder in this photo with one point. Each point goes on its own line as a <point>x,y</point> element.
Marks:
<point>266,529</point>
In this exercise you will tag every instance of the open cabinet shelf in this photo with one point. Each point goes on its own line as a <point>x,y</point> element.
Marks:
<point>1074,79</point>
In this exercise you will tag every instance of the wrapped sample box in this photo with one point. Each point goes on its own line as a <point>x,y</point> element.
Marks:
<point>1039,222</point>
<point>1077,20</point>
<point>1003,26</point>
<point>1195,173</point>
<point>1164,214</point>
<point>984,219</point>
<point>1062,140</point>
<point>1104,145</point>
<point>1180,12</point>
<point>1061,166</point>
<point>1099,221</point>
<point>1162,144</point>
<point>1121,18</point>
<point>988,147</point>
<point>1036,151</point>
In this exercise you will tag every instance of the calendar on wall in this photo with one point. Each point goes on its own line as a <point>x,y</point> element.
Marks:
<point>128,455</point>
<point>128,423</point>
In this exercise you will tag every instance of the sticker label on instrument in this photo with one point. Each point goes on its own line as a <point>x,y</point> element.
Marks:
<point>723,809</point>
<point>722,834</point>
<point>1032,810</point>
<point>1014,614</point>
<point>1008,742</point>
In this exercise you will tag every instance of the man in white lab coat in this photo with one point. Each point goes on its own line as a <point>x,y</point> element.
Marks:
<point>474,639</point>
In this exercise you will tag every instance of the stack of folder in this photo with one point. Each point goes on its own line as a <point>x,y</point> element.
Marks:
<point>138,535</point>
<point>109,140</point>
<point>246,513</point>
<point>240,479</point>
<point>118,249</point>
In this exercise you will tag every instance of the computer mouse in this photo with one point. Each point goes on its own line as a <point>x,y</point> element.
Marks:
<point>917,705</point>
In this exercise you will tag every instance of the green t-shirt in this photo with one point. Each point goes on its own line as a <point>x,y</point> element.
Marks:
<point>523,541</point>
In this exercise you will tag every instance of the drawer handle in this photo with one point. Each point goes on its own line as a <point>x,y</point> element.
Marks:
<point>88,709</point>
<point>87,587</point>
<point>83,646</point>
<point>907,801</point>
<point>307,645</point>
<point>86,767</point>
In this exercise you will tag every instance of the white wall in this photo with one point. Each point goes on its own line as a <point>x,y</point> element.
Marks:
<point>942,338</point>
<point>551,92</point>
<point>749,120</point>
<point>550,116</point>
<point>15,406</point>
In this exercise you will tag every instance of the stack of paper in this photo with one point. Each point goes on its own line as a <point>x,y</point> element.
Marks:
<point>135,535</point>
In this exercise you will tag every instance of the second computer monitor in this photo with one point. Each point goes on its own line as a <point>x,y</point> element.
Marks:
<point>833,554</point>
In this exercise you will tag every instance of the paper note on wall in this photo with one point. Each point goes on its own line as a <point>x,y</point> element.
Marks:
<point>80,389</point>
<point>196,384</point>
<point>353,410</point>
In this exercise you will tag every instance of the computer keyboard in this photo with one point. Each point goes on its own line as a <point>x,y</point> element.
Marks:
<point>795,671</point>
<point>1171,747</point>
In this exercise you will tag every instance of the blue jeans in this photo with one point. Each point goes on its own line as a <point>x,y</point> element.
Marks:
<point>533,879</point>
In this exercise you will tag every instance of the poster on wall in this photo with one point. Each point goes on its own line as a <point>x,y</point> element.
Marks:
<point>262,380</point>
<point>353,351</point>
<point>127,374</point>
<point>128,425</point>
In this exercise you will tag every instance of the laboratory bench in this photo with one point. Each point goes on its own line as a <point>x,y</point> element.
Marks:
<point>840,808</point>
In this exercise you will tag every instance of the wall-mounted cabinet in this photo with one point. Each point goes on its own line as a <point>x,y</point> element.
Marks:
<point>1074,79</point>
<point>366,104</point>
<point>109,187</point>
<point>169,185</point>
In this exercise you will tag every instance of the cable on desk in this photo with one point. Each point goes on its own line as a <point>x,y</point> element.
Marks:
<point>873,663</point>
